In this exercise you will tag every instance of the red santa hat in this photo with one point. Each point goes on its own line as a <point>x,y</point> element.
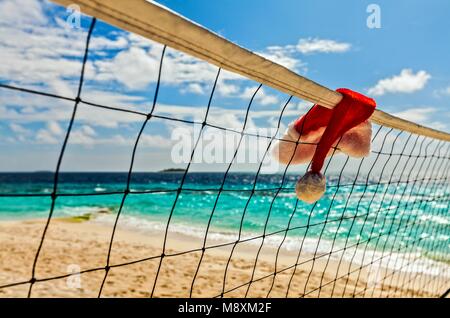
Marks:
<point>345,127</point>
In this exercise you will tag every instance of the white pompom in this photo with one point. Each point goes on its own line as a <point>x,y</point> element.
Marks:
<point>310,187</point>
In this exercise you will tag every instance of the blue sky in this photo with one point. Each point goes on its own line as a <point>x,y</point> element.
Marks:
<point>412,35</point>
<point>403,65</point>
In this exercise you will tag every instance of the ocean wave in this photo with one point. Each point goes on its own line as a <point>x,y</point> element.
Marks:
<point>69,211</point>
<point>438,219</point>
<point>413,262</point>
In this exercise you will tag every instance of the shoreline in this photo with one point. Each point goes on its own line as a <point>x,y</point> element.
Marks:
<point>73,246</point>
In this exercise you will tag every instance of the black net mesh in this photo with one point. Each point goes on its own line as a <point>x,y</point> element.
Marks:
<point>382,230</point>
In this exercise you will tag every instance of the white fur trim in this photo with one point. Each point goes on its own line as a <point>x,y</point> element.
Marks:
<point>356,143</point>
<point>311,187</point>
<point>283,151</point>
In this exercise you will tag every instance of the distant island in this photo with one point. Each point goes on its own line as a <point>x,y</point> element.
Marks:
<point>173,170</point>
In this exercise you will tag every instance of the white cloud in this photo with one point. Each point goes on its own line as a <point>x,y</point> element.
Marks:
<point>54,128</point>
<point>303,106</point>
<point>416,114</point>
<point>231,90</point>
<point>262,96</point>
<point>37,51</point>
<point>405,82</point>
<point>447,90</point>
<point>283,55</point>
<point>40,54</point>
<point>52,134</point>
<point>49,59</point>
<point>24,109</point>
<point>226,89</point>
<point>46,137</point>
<point>19,129</point>
<point>87,137</point>
<point>135,68</point>
<point>88,130</point>
<point>442,92</point>
<point>84,135</point>
<point>25,12</point>
<point>155,141</point>
<point>315,45</point>
<point>227,120</point>
<point>194,88</point>
<point>422,115</point>
<point>102,43</point>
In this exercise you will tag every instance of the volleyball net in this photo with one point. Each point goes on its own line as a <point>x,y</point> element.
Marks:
<point>381,229</point>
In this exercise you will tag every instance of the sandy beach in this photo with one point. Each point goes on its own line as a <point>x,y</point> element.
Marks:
<point>73,244</point>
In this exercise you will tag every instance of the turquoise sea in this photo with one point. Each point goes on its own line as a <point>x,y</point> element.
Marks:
<point>396,217</point>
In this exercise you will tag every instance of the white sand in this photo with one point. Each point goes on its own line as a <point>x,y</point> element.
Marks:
<point>78,246</point>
